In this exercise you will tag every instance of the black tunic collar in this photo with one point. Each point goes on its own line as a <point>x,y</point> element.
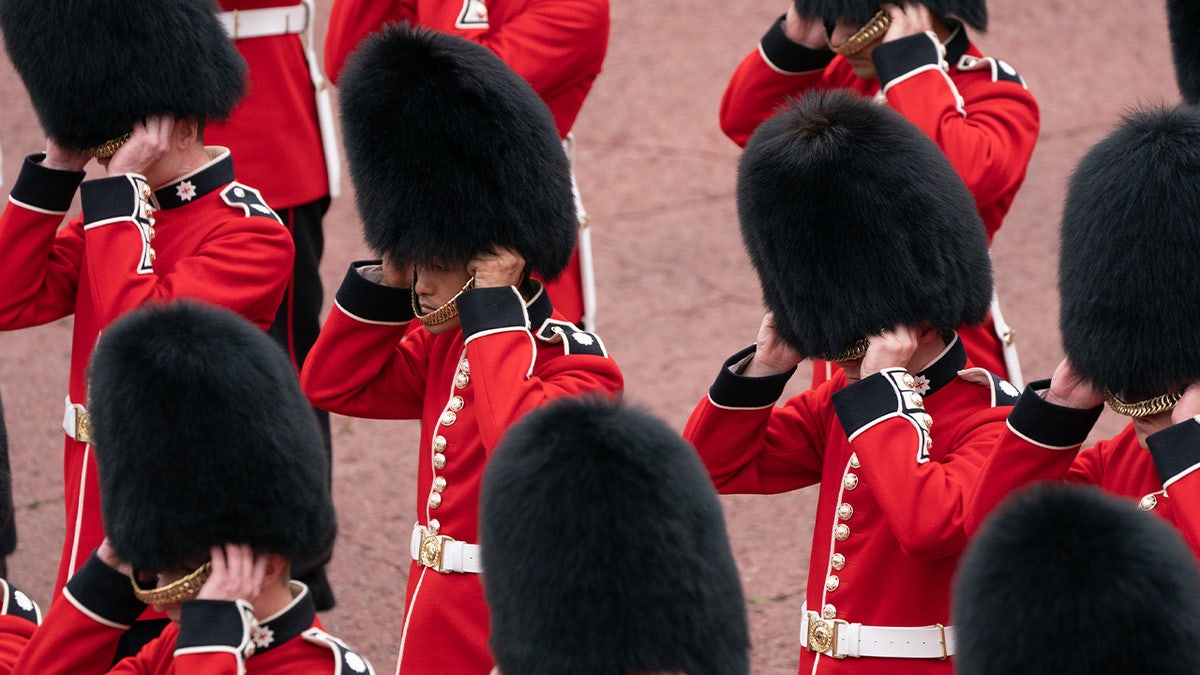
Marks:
<point>539,307</point>
<point>943,369</point>
<point>214,175</point>
<point>286,624</point>
<point>958,43</point>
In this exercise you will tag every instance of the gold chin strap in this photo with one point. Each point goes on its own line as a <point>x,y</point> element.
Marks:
<point>1147,408</point>
<point>872,31</point>
<point>850,353</point>
<point>108,148</point>
<point>176,591</point>
<point>441,314</point>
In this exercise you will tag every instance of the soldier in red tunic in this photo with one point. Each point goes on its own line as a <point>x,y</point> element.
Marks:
<point>131,84</point>
<point>872,259</point>
<point>1127,276</point>
<point>464,192</point>
<point>918,59</point>
<point>557,46</point>
<point>213,483</point>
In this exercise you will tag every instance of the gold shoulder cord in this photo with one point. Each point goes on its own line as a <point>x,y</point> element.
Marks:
<point>176,591</point>
<point>872,31</point>
<point>1147,408</point>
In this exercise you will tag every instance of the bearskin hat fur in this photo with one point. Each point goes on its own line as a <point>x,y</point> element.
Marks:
<point>1183,21</point>
<point>203,437</point>
<point>971,12</point>
<point>95,67</point>
<point>6,498</point>
<point>856,221</point>
<point>452,153</point>
<point>1066,579</point>
<point>1129,244</point>
<point>605,549</point>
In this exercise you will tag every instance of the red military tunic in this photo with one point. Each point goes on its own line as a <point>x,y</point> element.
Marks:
<point>889,523</point>
<point>1042,443</point>
<point>977,109</point>
<point>204,236</point>
<point>213,637</point>
<point>467,387</point>
<point>19,619</point>
<point>558,46</point>
<point>275,124</point>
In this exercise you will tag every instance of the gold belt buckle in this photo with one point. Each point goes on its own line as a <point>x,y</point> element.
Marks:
<point>433,549</point>
<point>823,637</point>
<point>83,425</point>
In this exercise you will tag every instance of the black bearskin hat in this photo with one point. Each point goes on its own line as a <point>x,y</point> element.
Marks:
<point>203,437</point>
<point>1066,579</point>
<point>452,153</point>
<point>1127,268</point>
<point>6,498</point>
<point>1183,21</point>
<point>94,67</point>
<point>605,549</point>
<point>856,221</point>
<point>971,12</point>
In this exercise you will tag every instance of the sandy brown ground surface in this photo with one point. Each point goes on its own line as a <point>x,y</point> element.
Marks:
<point>677,294</point>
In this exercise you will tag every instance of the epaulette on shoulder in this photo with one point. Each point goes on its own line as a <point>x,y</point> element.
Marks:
<point>574,339</point>
<point>1003,391</point>
<point>1001,70</point>
<point>249,200</point>
<point>346,659</point>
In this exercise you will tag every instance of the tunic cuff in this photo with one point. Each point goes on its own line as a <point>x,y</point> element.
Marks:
<point>105,593</point>
<point>900,58</point>
<point>43,188</point>
<point>114,199</point>
<point>369,301</point>
<point>1051,426</point>
<point>215,625</point>
<point>731,390</point>
<point>490,310</point>
<point>786,56</point>
<point>1176,450</point>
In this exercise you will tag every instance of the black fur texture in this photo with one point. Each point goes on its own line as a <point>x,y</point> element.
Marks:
<point>605,550</point>
<point>856,221</point>
<point>1183,22</point>
<point>1066,579</point>
<point>203,437</point>
<point>1130,240</point>
<point>95,67</point>
<point>971,12</point>
<point>452,153</point>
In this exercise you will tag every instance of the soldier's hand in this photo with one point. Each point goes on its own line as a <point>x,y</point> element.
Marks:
<point>771,354</point>
<point>108,555</point>
<point>396,276</point>
<point>1070,390</point>
<point>808,31</point>
<point>907,19</point>
<point>62,159</point>
<point>237,574</point>
<point>149,142</point>
<point>891,348</point>
<point>1188,406</point>
<point>497,268</point>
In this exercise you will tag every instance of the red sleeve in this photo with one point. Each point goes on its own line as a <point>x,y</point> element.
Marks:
<point>1040,441</point>
<point>352,20</point>
<point>987,129</point>
<point>747,444</point>
<point>15,633</point>
<point>39,267</point>
<point>1176,453</point>
<point>368,360</point>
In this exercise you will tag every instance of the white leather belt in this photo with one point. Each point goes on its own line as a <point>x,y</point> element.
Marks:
<point>76,422</point>
<point>251,23</point>
<point>444,554</point>
<point>838,639</point>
